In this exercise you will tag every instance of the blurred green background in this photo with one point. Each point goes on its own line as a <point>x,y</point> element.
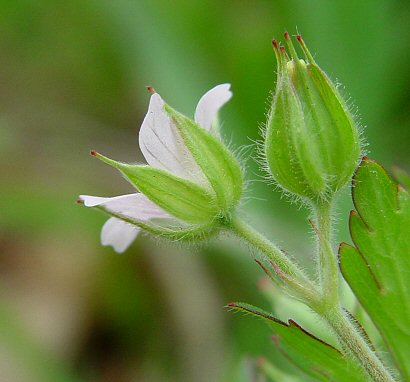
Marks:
<point>72,77</point>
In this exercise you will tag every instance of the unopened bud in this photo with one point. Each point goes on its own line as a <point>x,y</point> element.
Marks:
<point>312,143</point>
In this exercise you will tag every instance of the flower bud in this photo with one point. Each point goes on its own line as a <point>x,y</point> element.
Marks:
<point>312,143</point>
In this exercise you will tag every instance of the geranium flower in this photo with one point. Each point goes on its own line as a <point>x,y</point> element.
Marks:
<point>166,149</point>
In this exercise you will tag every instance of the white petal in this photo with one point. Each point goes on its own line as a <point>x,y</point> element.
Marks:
<point>161,144</point>
<point>210,103</point>
<point>118,234</point>
<point>135,206</point>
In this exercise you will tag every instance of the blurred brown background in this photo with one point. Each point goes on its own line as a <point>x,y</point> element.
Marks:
<point>72,78</point>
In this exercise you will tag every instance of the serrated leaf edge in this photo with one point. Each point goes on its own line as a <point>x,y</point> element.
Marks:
<point>262,314</point>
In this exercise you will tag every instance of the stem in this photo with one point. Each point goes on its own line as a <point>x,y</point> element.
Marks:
<point>353,341</point>
<point>285,268</point>
<point>324,303</point>
<point>329,308</point>
<point>327,267</point>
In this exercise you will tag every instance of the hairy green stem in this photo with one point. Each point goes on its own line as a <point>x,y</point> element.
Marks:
<point>324,302</point>
<point>355,344</point>
<point>327,267</point>
<point>285,268</point>
<point>329,308</point>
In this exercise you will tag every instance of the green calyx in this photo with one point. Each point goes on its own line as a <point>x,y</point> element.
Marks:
<point>312,143</point>
<point>217,163</point>
<point>181,198</point>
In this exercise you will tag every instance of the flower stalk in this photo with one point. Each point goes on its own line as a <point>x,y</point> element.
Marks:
<point>294,280</point>
<point>312,295</point>
<point>329,308</point>
<point>354,343</point>
<point>327,268</point>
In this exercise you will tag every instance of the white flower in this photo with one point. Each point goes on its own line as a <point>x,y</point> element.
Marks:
<point>163,148</point>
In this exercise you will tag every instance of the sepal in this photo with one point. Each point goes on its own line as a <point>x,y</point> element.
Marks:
<point>179,197</point>
<point>218,164</point>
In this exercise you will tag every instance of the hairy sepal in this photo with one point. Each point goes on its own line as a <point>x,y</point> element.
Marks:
<point>286,145</point>
<point>218,164</point>
<point>179,197</point>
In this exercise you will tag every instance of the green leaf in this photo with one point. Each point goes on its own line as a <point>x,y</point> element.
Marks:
<point>378,267</point>
<point>316,358</point>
